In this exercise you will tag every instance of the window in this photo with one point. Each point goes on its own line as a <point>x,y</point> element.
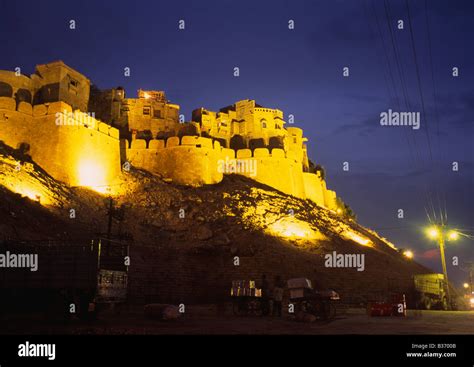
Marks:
<point>73,85</point>
<point>157,114</point>
<point>264,124</point>
<point>146,111</point>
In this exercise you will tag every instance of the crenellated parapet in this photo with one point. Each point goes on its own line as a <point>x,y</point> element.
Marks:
<point>63,114</point>
<point>71,146</point>
<point>193,160</point>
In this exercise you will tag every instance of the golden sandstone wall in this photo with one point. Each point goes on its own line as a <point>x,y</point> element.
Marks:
<point>197,161</point>
<point>69,151</point>
<point>82,151</point>
<point>191,161</point>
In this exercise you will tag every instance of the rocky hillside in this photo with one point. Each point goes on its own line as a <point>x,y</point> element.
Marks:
<point>190,243</point>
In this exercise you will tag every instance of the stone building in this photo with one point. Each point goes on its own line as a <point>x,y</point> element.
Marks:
<point>50,83</point>
<point>100,130</point>
<point>45,115</point>
<point>149,116</point>
<point>106,104</point>
<point>247,124</point>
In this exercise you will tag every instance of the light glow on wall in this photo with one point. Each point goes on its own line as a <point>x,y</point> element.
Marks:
<point>292,228</point>
<point>92,175</point>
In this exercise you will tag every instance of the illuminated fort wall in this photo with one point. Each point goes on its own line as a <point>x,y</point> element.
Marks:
<point>75,154</point>
<point>197,161</point>
<point>90,154</point>
<point>191,161</point>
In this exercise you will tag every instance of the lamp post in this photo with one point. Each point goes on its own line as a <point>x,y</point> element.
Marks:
<point>440,233</point>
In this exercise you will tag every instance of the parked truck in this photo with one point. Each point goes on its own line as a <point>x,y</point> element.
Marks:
<point>70,278</point>
<point>306,300</point>
<point>430,291</point>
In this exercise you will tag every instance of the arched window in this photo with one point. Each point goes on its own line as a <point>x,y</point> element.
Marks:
<point>5,90</point>
<point>237,142</point>
<point>264,123</point>
<point>23,95</point>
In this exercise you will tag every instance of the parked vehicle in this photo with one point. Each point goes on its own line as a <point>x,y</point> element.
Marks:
<point>391,304</point>
<point>320,303</point>
<point>430,291</point>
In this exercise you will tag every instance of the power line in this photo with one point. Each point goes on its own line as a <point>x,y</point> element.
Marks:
<point>407,103</point>
<point>421,95</point>
<point>435,103</point>
<point>418,164</point>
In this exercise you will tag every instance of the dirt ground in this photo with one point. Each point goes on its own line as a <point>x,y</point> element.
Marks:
<point>197,321</point>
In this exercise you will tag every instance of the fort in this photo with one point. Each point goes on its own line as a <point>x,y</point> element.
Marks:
<point>83,136</point>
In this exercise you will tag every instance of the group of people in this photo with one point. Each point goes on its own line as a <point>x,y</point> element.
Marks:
<point>272,298</point>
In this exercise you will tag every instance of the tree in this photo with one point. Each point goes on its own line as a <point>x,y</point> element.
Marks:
<point>315,168</point>
<point>347,211</point>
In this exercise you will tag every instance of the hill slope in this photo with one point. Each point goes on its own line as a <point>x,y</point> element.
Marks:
<point>188,241</point>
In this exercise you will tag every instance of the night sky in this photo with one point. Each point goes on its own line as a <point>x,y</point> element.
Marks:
<point>300,72</point>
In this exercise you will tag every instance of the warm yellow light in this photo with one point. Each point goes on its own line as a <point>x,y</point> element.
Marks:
<point>433,232</point>
<point>339,211</point>
<point>357,238</point>
<point>292,228</point>
<point>453,235</point>
<point>408,254</point>
<point>29,189</point>
<point>92,175</point>
<point>30,193</point>
<point>146,95</point>
<point>465,285</point>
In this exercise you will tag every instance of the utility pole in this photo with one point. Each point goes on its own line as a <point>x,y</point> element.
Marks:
<point>439,232</point>
<point>443,263</point>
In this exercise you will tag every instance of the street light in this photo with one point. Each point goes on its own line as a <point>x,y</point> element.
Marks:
<point>453,235</point>
<point>440,233</point>
<point>433,232</point>
<point>408,254</point>
<point>466,285</point>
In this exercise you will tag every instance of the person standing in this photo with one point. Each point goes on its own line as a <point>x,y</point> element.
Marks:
<point>277,296</point>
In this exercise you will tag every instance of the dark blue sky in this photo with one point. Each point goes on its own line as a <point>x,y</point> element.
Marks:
<point>300,72</point>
